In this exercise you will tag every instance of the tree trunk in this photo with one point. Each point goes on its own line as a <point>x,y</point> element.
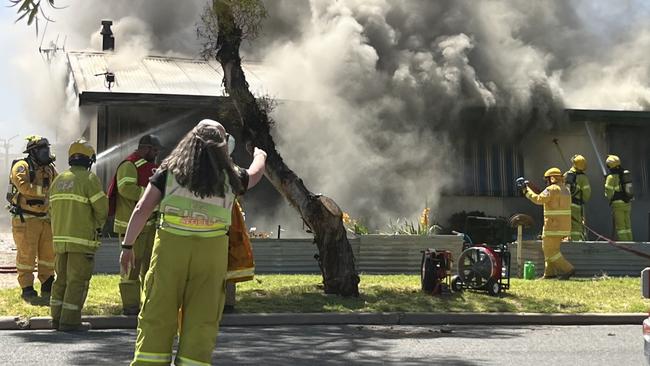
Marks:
<point>320,213</point>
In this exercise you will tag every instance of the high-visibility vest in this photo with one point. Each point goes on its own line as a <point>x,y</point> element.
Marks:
<point>183,213</point>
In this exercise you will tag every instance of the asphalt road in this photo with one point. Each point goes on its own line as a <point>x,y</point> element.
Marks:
<point>356,345</point>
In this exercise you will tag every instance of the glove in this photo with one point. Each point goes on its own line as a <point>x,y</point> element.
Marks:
<point>521,183</point>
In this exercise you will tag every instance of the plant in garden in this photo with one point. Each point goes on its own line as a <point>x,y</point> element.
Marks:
<point>423,228</point>
<point>354,226</point>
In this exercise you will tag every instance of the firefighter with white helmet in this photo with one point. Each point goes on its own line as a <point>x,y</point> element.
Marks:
<point>29,184</point>
<point>578,183</point>
<point>618,190</point>
<point>556,200</point>
<point>79,207</point>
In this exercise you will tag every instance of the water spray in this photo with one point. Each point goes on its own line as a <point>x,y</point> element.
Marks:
<point>593,144</point>
<point>106,154</point>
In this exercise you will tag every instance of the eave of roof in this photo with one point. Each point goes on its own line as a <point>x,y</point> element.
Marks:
<point>609,116</point>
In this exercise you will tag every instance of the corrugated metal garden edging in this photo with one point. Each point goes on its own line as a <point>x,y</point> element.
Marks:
<point>589,258</point>
<point>401,254</point>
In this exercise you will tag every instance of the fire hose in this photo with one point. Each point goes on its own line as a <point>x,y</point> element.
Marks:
<point>617,245</point>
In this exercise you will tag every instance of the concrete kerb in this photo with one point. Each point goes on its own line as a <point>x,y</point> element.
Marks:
<point>279,319</point>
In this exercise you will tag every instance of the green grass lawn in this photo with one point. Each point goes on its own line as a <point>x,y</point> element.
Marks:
<point>390,293</point>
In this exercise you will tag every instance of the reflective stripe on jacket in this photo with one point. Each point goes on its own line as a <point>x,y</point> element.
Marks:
<point>556,199</point>
<point>130,180</point>
<point>183,213</point>
<point>78,207</point>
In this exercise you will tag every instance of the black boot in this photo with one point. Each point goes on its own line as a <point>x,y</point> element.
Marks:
<point>29,294</point>
<point>31,297</point>
<point>46,289</point>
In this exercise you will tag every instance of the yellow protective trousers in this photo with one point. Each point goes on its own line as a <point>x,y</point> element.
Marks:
<point>131,282</point>
<point>73,273</point>
<point>187,272</point>
<point>622,220</point>
<point>554,262</point>
<point>33,240</point>
<point>577,219</point>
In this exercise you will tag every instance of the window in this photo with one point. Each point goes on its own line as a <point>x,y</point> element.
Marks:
<point>490,170</point>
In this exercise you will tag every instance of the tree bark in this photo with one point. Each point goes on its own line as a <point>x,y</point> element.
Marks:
<point>320,213</point>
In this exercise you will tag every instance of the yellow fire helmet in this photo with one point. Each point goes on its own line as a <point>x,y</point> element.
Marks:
<point>579,162</point>
<point>553,172</point>
<point>34,141</point>
<point>82,147</point>
<point>613,161</point>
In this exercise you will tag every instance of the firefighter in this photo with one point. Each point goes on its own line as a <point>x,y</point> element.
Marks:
<point>195,188</point>
<point>618,190</point>
<point>556,199</point>
<point>578,184</point>
<point>29,186</point>
<point>127,187</point>
<point>79,208</point>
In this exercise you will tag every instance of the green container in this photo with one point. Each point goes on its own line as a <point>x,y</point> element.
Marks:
<point>529,270</point>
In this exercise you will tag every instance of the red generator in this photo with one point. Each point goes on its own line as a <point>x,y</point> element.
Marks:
<point>435,271</point>
<point>484,266</point>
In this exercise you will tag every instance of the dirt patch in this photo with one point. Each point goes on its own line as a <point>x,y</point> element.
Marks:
<point>8,280</point>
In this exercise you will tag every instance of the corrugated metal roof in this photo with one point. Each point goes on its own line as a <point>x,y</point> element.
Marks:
<point>155,75</point>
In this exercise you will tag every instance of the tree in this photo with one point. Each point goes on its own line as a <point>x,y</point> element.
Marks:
<point>30,9</point>
<point>225,24</point>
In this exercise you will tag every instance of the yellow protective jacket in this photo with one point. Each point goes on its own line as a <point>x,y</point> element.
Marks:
<point>78,207</point>
<point>556,199</point>
<point>582,192</point>
<point>32,193</point>
<point>129,191</point>
<point>612,186</point>
<point>241,266</point>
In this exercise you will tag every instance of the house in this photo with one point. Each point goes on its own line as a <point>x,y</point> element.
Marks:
<point>168,95</point>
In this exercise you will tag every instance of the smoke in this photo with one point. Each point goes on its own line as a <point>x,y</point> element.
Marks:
<point>375,94</point>
<point>388,85</point>
<point>160,27</point>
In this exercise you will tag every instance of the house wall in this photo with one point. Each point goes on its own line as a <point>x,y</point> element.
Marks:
<point>120,125</point>
<point>540,154</point>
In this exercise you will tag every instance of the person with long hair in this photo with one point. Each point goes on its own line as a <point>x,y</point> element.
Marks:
<point>195,187</point>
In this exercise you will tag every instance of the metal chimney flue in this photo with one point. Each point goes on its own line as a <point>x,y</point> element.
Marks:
<point>108,41</point>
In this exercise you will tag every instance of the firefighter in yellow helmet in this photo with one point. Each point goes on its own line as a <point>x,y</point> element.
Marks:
<point>618,190</point>
<point>556,199</point>
<point>79,207</point>
<point>578,183</point>
<point>30,180</point>
<point>195,188</point>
